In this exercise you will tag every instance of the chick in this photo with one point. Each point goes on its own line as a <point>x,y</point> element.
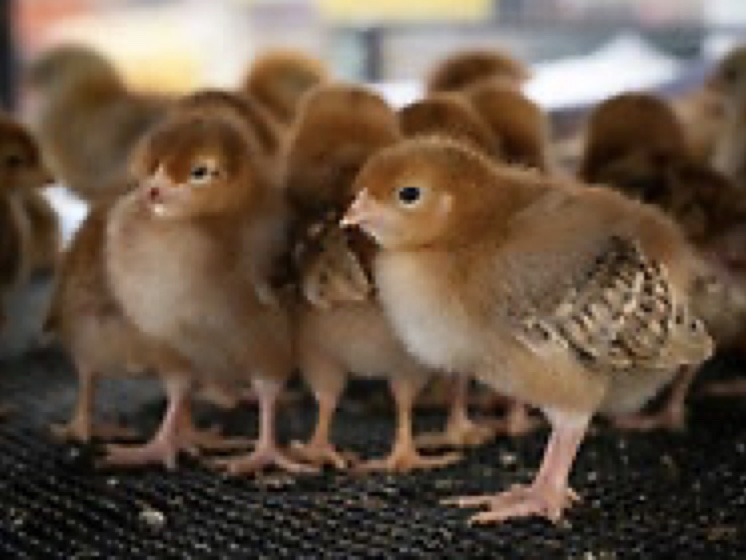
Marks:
<point>521,126</point>
<point>89,322</point>
<point>86,119</point>
<point>338,128</point>
<point>208,218</point>
<point>31,232</point>
<point>279,78</point>
<point>574,300</point>
<point>465,68</point>
<point>729,82</point>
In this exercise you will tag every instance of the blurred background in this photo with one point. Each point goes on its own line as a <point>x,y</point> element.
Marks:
<point>581,50</point>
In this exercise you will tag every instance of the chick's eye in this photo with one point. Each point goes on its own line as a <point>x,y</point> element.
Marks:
<point>409,195</point>
<point>202,174</point>
<point>199,173</point>
<point>13,161</point>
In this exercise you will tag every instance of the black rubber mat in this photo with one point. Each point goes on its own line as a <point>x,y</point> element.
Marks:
<point>645,496</point>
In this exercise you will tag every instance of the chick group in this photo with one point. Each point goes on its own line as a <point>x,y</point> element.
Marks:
<point>301,223</point>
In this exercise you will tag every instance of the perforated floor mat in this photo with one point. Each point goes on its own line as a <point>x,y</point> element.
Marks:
<point>645,496</point>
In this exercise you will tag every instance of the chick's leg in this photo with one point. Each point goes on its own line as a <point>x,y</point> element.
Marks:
<point>327,381</point>
<point>461,431</point>
<point>671,416</point>
<point>266,452</point>
<point>404,456</point>
<point>549,494</point>
<point>164,447</point>
<point>81,428</point>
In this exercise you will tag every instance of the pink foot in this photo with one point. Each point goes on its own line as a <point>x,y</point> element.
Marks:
<point>403,460</point>
<point>75,432</point>
<point>319,454</point>
<point>260,459</point>
<point>519,501</point>
<point>212,440</point>
<point>466,433</point>
<point>156,452</point>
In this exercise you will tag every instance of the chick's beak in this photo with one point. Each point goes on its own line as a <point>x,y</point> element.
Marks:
<point>360,212</point>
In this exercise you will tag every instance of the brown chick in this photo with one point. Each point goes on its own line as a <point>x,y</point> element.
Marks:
<point>88,321</point>
<point>572,299</point>
<point>468,67</point>
<point>31,234</point>
<point>90,324</point>
<point>452,116</point>
<point>729,82</point>
<point>188,255</point>
<point>519,124</point>
<point>86,119</point>
<point>279,78</point>
<point>338,128</point>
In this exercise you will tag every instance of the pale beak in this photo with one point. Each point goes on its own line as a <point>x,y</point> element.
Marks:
<point>359,212</point>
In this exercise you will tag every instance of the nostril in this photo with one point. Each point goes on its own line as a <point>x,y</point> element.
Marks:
<point>154,193</point>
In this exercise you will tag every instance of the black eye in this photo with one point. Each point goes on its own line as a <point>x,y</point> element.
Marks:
<point>13,161</point>
<point>409,195</point>
<point>200,173</point>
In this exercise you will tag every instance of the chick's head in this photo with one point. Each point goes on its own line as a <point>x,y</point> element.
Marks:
<point>729,77</point>
<point>468,67</point>
<point>418,192</point>
<point>21,165</point>
<point>338,128</point>
<point>193,165</point>
<point>450,115</point>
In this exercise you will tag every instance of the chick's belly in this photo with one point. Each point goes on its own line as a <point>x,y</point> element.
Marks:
<point>629,392</point>
<point>360,339</point>
<point>555,381</point>
<point>257,346</point>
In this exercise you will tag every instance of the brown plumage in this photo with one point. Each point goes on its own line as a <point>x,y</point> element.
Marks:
<point>729,83</point>
<point>341,329</point>
<point>279,78</point>
<point>449,114</point>
<point>702,115</point>
<point>30,229</point>
<point>89,323</point>
<point>86,119</point>
<point>519,124</point>
<point>629,126</point>
<point>468,67</point>
<point>549,292</point>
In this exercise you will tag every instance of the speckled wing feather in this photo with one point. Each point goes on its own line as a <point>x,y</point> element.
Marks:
<point>329,266</point>
<point>623,317</point>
